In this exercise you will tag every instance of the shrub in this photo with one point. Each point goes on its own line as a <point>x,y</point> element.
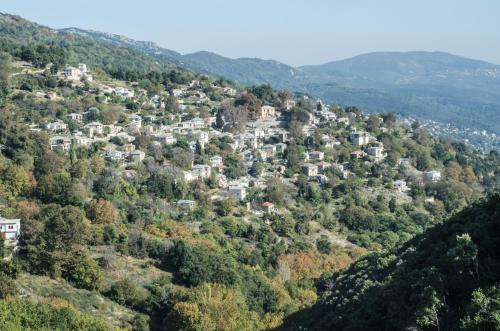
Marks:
<point>7,286</point>
<point>84,273</point>
<point>195,265</point>
<point>126,292</point>
<point>25,315</point>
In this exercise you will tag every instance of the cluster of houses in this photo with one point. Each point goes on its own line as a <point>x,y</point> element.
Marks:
<point>264,140</point>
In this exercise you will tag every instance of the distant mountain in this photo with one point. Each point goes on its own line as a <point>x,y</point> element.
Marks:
<point>432,85</point>
<point>245,71</point>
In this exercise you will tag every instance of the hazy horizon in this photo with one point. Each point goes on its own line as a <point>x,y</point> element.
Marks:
<point>290,32</point>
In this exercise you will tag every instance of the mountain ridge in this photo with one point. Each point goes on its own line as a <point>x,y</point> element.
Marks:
<point>434,85</point>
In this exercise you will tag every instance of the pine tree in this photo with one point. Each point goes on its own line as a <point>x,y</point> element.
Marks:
<point>219,121</point>
<point>2,248</point>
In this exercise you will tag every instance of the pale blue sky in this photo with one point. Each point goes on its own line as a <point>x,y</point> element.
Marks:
<point>296,32</point>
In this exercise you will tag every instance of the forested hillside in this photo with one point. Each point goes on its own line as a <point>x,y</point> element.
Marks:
<point>444,279</point>
<point>30,41</point>
<point>140,196</point>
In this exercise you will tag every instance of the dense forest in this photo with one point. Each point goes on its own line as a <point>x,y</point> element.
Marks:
<point>445,279</point>
<point>119,231</point>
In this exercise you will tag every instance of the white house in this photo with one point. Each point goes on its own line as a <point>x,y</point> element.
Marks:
<point>78,139</point>
<point>216,161</point>
<point>136,120</point>
<point>400,186</point>
<point>377,152</point>
<point>229,91</point>
<point>259,133</point>
<point>165,138</point>
<point>329,141</point>
<point>203,137</point>
<point>187,205</point>
<point>222,181</point>
<point>268,151</point>
<point>83,68</point>
<point>201,171</point>
<point>188,176</point>
<point>147,130</point>
<point>239,192</point>
<point>267,111</point>
<point>358,154</point>
<point>114,155</point>
<point>10,228</point>
<point>198,123</point>
<point>359,138</point>
<point>344,120</point>
<point>310,170</point>
<point>94,128</point>
<point>404,161</point>
<point>268,207</point>
<point>177,92</point>
<point>338,167</point>
<point>328,115</point>
<point>56,126</point>
<point>137,156</point>
<point>323,166</point>
<point>73,73</point>
<point>60,143</point>
<point>125,137</point>
<point>123,92</point>
<point>322,179</point>
<point>432,176</point>
<point>280,147</point>
<point>195,123</point>
<point>289,104</point>
<point>316,155</point>
<point>128,148</point>
<point>75,117</point>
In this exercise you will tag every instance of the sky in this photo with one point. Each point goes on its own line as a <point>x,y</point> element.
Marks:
<point>296,32</point>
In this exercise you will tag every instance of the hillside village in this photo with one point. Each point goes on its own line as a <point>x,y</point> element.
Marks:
<point>262,142</point>
<point>156,199</point>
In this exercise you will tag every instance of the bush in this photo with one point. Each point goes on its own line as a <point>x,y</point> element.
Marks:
<point>126,292</point>
<point>9,268</point>
<point>84,273</point>
<point>25,315</point>
<point>195,265</point>
<point>7,286</point>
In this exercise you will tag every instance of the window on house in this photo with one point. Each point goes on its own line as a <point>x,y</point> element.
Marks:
<point>11,227</point>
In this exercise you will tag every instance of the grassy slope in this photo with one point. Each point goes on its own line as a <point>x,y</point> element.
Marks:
<point>41,288</point>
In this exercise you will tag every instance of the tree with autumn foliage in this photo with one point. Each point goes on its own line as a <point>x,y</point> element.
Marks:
<point>101,212</point>
<point>211,307</point>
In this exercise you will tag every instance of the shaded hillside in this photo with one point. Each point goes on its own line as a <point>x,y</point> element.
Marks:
<point>249,71</point>
<point>444,279</point>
